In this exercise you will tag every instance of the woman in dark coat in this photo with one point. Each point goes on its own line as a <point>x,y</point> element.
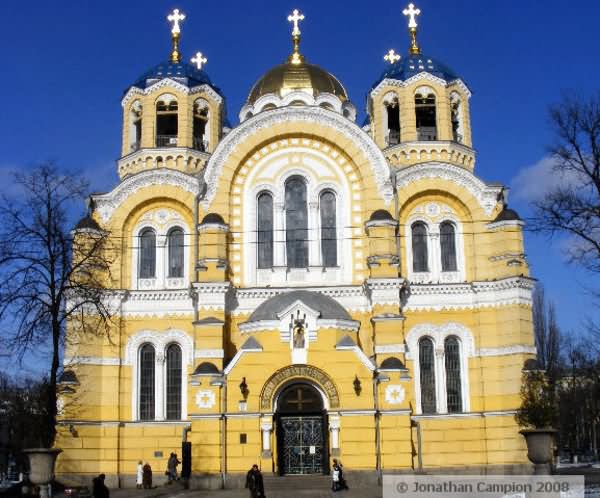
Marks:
<point>100,489</point>
<point>147,476</point>
<point>254,482</point>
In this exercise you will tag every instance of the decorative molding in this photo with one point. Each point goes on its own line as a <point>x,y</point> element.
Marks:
<point>158,303</point>
<point>318,115</point>
<point>422,76</point>
<point>211,296</point>
<point>495,225</point>
<point>507,350</point>
<point>382,291</point>
<point>438,334</point>
<point>390,348</point>
<point>175,85</point>
<point>209,353</point>
<point>364,359</point>
<point>70,361</point>
<point>160,340</point>
<point>206,399</point>
<point>486,195</point>
<point>107,204</point>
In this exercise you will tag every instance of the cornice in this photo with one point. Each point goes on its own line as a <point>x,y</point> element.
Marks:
<point>422,76</point>
<point>175,85</point>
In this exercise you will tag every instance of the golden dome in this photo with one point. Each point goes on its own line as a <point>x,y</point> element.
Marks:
<point>290,77</point>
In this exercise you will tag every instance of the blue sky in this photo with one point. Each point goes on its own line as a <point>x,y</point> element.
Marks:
<point>66,65</point>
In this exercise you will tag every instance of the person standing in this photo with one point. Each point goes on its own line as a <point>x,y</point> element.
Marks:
<point>337,476</point>
<point>147,476</point>
<point>254,482</point>
<point>172,467</point>
<point>139,477</point>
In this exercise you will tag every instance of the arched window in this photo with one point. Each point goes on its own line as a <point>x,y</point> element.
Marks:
<point>427,375</point>
<point>419,247</point>
<point>296,223</point>
<point>393,121</point>
<point>425,114</point>
<point>264,222</point>
<point>173,361</point>
<point>200,141</point>
<point>147,265</point>
<point>448,246</point>
<point>456,118</point>
<point>328,229</point>
<point>135,126</point>
<point>146,372</point>
<point>175,245</point>
<point>453,382</point>
<point>167,125</point>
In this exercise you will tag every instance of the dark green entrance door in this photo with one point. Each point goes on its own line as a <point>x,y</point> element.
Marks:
<point>302,447</point>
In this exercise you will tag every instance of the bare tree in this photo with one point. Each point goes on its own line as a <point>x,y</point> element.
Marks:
<point>573,207</point>
<point>546,332</point>
<point>50,275</point>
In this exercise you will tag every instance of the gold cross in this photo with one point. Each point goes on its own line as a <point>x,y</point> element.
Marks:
<point>412,13</point>
<point>175,17</point>
<point>392,56</point>
<point>295,17</point>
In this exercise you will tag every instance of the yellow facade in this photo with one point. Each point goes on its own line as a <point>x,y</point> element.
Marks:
<point>367,270</point>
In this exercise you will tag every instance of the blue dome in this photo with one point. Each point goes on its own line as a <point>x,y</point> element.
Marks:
<point>183,72</point>
<point>413,64</point>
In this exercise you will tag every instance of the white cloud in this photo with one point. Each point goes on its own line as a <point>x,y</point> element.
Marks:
<point>533,182</point>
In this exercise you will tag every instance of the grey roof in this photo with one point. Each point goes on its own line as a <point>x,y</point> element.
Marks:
<point>329,308</point>
<point>68,377</point>
<point>392,363</point>
<point>87,223</point>
<point>211,320</point>
<point>345,342</point>
<point>206,368</point>
<point>507,214</point>
<point>251,343</point>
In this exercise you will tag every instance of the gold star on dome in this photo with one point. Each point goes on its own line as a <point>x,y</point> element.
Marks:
<point>295,17</point>
<point>175,17</point>
<point>392,57</point>
<point>411,12</point>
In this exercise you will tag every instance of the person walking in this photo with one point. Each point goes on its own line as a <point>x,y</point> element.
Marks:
<point>147,476</point>
<point>139,477</point>
<point>172,467</point>
<point>99,489</point>
<point>337,476</point>
<point>254,483</point>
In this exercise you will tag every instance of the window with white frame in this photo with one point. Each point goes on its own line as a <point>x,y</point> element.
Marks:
<point>160,252</point>
<point>435,245</point>
<point>440,367</point>
<point>159,382</point>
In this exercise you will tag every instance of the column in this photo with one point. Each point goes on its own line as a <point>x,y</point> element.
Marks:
<point>266,426</point>
<point>334,428</point>
<point>278,234</point>
<point>314,244</point>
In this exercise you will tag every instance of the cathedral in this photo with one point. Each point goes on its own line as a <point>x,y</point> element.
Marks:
<point>300,287</point>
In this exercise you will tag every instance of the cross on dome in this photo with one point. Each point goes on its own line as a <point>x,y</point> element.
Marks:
<point>412,13</point>
<point>175,18</point>
<point>392,56</point>
<point>295,17</point>
<point>199,60</point>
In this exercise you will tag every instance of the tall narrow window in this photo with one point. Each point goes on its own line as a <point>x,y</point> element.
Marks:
<point>147,253</point>
<point>265,230</point>
<point>200,123</point>
<point>456,118</point>
<point>328,229</point>
<point>175,244</point>
<point>448,246</point>
<point>425,116</point>
<point>296,223</point>
<point>135,126</point>
<point>427,375</point>
<point>453,383</point>
<point>419,247</point>
<point>167,125</point>
<point>173,382</point>
<point>393,122</point>
<point>147,366</point>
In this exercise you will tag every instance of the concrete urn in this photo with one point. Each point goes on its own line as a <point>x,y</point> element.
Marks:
<point>41,465</point>
<point>540,448</point>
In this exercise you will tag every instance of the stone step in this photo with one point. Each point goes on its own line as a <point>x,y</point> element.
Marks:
<point>298,482</point>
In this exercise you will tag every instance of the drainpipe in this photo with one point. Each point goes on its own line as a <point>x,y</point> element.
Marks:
<point>184,433</point>
<point>377,379</point>
<point>417,424</point>
<point>222,382</point>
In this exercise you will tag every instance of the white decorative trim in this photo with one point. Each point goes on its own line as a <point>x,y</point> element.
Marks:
<point>390,348</point>
<point>238,357</point>
<point>316,115</point>
<point>488,294</point>
<point>505,224</point>
<point>423,75</point>
<point>394,394</point>
<point>384,291</point>
<point>211,296</point>
<point>507,350</point>
<point>175,85</point>
<point>206,399</point>
<point>158,303</point>
<point>107,204</point>
<point>209,353</point>
<point>354,413</point>
<point>445,416</point>
<point>360,354</point>
<point>69,361</point>
<point>160,340</point>
<point>486,195</point>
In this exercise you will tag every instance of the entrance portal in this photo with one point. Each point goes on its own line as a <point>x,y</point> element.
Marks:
<point>301,436</point>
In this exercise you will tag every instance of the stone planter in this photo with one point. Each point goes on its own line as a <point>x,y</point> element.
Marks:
<point>41,467</point>
<point>540,448</point>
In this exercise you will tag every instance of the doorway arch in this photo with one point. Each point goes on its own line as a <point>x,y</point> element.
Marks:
<point>301,429</point>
